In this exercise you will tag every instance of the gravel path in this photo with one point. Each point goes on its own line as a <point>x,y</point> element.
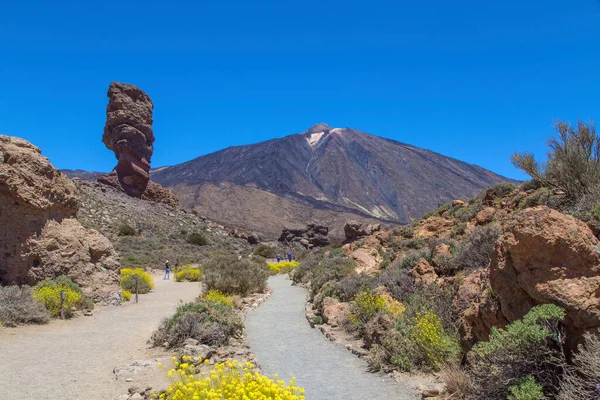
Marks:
<point>284,343</point>
<point>74,359</point>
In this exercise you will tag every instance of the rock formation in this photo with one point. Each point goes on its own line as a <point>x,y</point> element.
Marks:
<point>354,230</point>
<point>154,191</point>
<point>548,257</point>
<point>128,132</point>
<point>309,237</point>
<point>39,238</point>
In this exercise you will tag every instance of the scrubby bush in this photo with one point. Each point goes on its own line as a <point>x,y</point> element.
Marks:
<point>502,188</point>
<point>232,276</point>
<point>397,281</point>
<point>17,306</point>
<point>196,238</point>
<point>526,347</point>
<point>209,322</point>
<point>126,230</point>
<point>218,297</point>
<point>573,162</point>
<point>329,289</point>
<point>353,284</point>
<point>126,295</point>
<point>465,214</point>
<point>229,380</point>
<point>188,274</point>
<point>318,270</point>
<point>265,251</point>
<point>582,377</point>
<point>129,277</point>
<point>282,266</point>
<point>475,252</point>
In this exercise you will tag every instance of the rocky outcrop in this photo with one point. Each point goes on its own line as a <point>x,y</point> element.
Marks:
<point>548,257</point>
<point>251,238</point>
<point>154,191</point>
<point>313,235</point>
<point>38,237</point>
<point>335,313</point>
<point>32,192</point>
<point>434,227</point>
<point>479,307</point>
<point>128,132</point>
<point>86,256</point>
<point>423,273</point>
<point>354,230</point>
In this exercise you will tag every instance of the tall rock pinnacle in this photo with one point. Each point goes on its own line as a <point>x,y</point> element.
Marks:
<point>128,132</point>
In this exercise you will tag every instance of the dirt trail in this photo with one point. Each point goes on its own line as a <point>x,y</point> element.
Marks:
<point>283,343</point>
<point>75,359</point>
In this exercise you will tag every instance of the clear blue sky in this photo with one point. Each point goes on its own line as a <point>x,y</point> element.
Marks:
<point>475,80</point>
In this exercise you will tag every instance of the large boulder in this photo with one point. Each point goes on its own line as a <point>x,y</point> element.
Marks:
<point>39,237</point>
<point>314,235</point>
<point>354,230</point>
<point>548,257</point>
<point>85,255</point>
<point>32,191</point>
<point>335,313</point>
<point>128,132</point>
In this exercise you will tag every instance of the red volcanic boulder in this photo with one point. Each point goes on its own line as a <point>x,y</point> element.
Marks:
<point>548,257</point>
<point>128,132</point>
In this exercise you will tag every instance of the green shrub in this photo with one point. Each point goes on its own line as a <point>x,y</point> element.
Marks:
<point>353,284</point>
<point>196,238</point>
<point>596,212</point>
<point>435,344</point>
<point>364,306</point>
<point>232,276</point>
<point>397,281</point>
<point>265,251</point>
<point>17,306</point>
<point>329,289</point>
<point>317,320</point>
<point>220,298</point>
<point>526,347</point>
<point>525,389</point>
<point>188,274</point>
<point>415,244</point>
<point>209,322</point>
<point>125,295</point>
<point>126,230</point>
<point>318,269</point>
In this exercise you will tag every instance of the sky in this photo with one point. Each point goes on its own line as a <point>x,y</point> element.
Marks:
<point>473,80</point>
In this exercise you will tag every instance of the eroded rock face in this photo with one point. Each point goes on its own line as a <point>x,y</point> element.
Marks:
<point>314,235</point>
<point>334,312</point>
<point>32,191</point>
<point>354,230</point>
<point>128,132</point>
<point>154,191</point>
<point>548,257</point>
<point>423,273</point>
<point>39,237</point>
<point>85,255</point>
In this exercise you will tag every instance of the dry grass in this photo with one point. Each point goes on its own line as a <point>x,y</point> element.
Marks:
<point>457,382</point>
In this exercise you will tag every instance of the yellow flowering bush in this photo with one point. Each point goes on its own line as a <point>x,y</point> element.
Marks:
<point>126,295</point>
<point>364,306</point>
<point>435,345</point>
<point>229,380</point>
<point>219,297</point>
<point>190,274</point>
<point>283,266</point>
<point>393,307</point>
<point>50,297</point>
<point>128,277</point>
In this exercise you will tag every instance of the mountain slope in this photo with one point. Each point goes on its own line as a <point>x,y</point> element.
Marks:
<point>336,169</point>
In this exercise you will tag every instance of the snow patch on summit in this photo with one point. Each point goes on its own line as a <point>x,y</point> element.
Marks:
<point>314,138</point>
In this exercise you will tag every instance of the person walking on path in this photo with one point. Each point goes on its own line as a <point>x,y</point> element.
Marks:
<point>278,257</point>
<point>167,270</point>
<point>289,257</point>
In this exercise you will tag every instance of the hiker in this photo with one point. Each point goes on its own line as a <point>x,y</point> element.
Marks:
<point>289,257</point>
<point>278,257</point>
<point>167,270</point>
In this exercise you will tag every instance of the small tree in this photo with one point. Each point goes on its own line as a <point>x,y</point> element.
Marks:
<point>573,164</point>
